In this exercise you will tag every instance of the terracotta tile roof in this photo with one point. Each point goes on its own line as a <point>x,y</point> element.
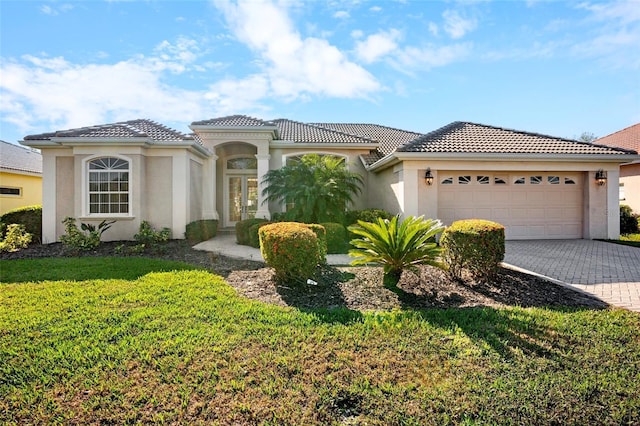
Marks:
<point>234,121</point>
<point>463,137</point>
<point>309,133</point>
<point>19,159</point>
<point>389,137</point>
<point>628,138</point>
<point>141,128</point>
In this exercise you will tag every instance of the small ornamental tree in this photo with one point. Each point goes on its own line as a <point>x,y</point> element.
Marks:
<point>396,245</point>
<point>315,188</point>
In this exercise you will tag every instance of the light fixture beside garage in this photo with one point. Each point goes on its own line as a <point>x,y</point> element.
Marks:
<point>601,177</point>
<point>428,177</point>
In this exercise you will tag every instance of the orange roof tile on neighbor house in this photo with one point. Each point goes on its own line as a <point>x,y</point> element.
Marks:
<point>628,138</point>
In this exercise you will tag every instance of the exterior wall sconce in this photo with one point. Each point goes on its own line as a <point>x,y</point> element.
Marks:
<point>428,177</point>
<point>601,177</point>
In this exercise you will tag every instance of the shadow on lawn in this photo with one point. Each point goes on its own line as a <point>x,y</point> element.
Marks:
<point>304,296</point>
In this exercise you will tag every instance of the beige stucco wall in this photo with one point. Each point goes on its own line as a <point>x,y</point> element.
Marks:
<point>382,191</point>
<point>158,176</point>
<point>630,176</point>
<point>30,190</point>
<point>195,191</point>
<point>65,193</point>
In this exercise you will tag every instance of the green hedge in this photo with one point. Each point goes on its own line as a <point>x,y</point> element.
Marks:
<point>291,249</point>
<point>366,215</point>
<point>242,230</point>
<point>628,220</point>
<point>201,230</point>
<point>474,245</point>
<point>336,237</point>
<point>30,217</point>
<point>254,236</point>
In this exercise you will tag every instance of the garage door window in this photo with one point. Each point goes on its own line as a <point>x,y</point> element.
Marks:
<point>464,180</point>
<point>482,180</point>
<point>553,180</point>
<point>569,181</point>
<point>520,181</point>
<point>447,181</point>
<point>535,180</point>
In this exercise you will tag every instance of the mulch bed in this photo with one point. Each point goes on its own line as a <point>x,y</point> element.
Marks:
<point>356,288</point>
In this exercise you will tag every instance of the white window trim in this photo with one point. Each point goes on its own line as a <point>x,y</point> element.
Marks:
<point>85,188</point>
<point>18,195</point>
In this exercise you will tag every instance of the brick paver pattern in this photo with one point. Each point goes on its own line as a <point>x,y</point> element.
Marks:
<point>609,271</point>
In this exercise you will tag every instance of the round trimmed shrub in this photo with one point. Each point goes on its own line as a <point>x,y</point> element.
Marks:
<point>474,245</point>
<point>291,249</point>
<point>242,230</point>
<point>336,237</point>
<point>30,217</point>
<point>321,233</point>
<point>254,237</point>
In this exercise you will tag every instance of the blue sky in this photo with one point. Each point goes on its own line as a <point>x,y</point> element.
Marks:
<point>558,68</point>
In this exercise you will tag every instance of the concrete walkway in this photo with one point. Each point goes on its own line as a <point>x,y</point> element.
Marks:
<point>226,244</point>
<point>609,271</point>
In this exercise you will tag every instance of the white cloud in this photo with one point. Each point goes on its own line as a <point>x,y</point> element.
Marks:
<point>294,66</point>
<point>66,95</point>
<point>457,26</point>
<point>357,34</point>
<point>377,45</point>
<point>56,10</point>
<point>341,14</point>
<point>375,9</point>
<point>433,28</point>
<point>432,56</point>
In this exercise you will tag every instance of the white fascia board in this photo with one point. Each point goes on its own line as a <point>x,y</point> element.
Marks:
<point>194,147</point>
<point>46,143</point>
<point>402,156</point>
<point>20,172</point>
<point>291,144</point>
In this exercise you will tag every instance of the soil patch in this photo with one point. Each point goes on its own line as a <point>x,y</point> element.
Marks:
<point>356,288</point>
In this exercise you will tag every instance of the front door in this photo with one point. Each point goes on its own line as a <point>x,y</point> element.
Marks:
<point>242,201</point>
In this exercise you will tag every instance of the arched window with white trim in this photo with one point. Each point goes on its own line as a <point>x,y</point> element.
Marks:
<point>109,189</point>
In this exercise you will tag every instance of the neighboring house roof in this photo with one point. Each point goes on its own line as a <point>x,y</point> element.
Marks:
<point>140,128</point>
<point>464,137</point>
<point>628,138</point>
<point>19,159</point>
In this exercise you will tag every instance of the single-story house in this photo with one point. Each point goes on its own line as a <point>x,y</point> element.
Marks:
<point>20,177</point>
<point>538,186</point>
<point>628,138</point>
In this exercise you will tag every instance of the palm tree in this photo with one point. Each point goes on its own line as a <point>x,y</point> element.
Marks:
<point>315,188</point>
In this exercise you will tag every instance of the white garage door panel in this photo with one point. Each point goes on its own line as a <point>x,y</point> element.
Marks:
<point>546,205</point>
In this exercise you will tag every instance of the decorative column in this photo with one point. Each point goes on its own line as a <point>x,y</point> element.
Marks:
<point>211,209</point>
<point>263,168</point>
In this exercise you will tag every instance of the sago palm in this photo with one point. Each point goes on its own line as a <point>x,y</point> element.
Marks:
<point>315,188</point>
<point>396,245</point>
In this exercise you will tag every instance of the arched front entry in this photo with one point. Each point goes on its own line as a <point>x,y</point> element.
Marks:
<point>241,188</point>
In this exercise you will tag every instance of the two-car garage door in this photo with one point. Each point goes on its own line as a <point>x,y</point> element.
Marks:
<point>542,205</point>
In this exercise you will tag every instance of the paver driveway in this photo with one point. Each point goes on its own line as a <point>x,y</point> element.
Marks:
<point>609,271</point>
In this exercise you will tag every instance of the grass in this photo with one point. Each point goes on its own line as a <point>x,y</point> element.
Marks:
<point>182,347</point>
<point>627,240</point>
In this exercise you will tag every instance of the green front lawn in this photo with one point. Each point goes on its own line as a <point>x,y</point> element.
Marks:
<point>182,347</point>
